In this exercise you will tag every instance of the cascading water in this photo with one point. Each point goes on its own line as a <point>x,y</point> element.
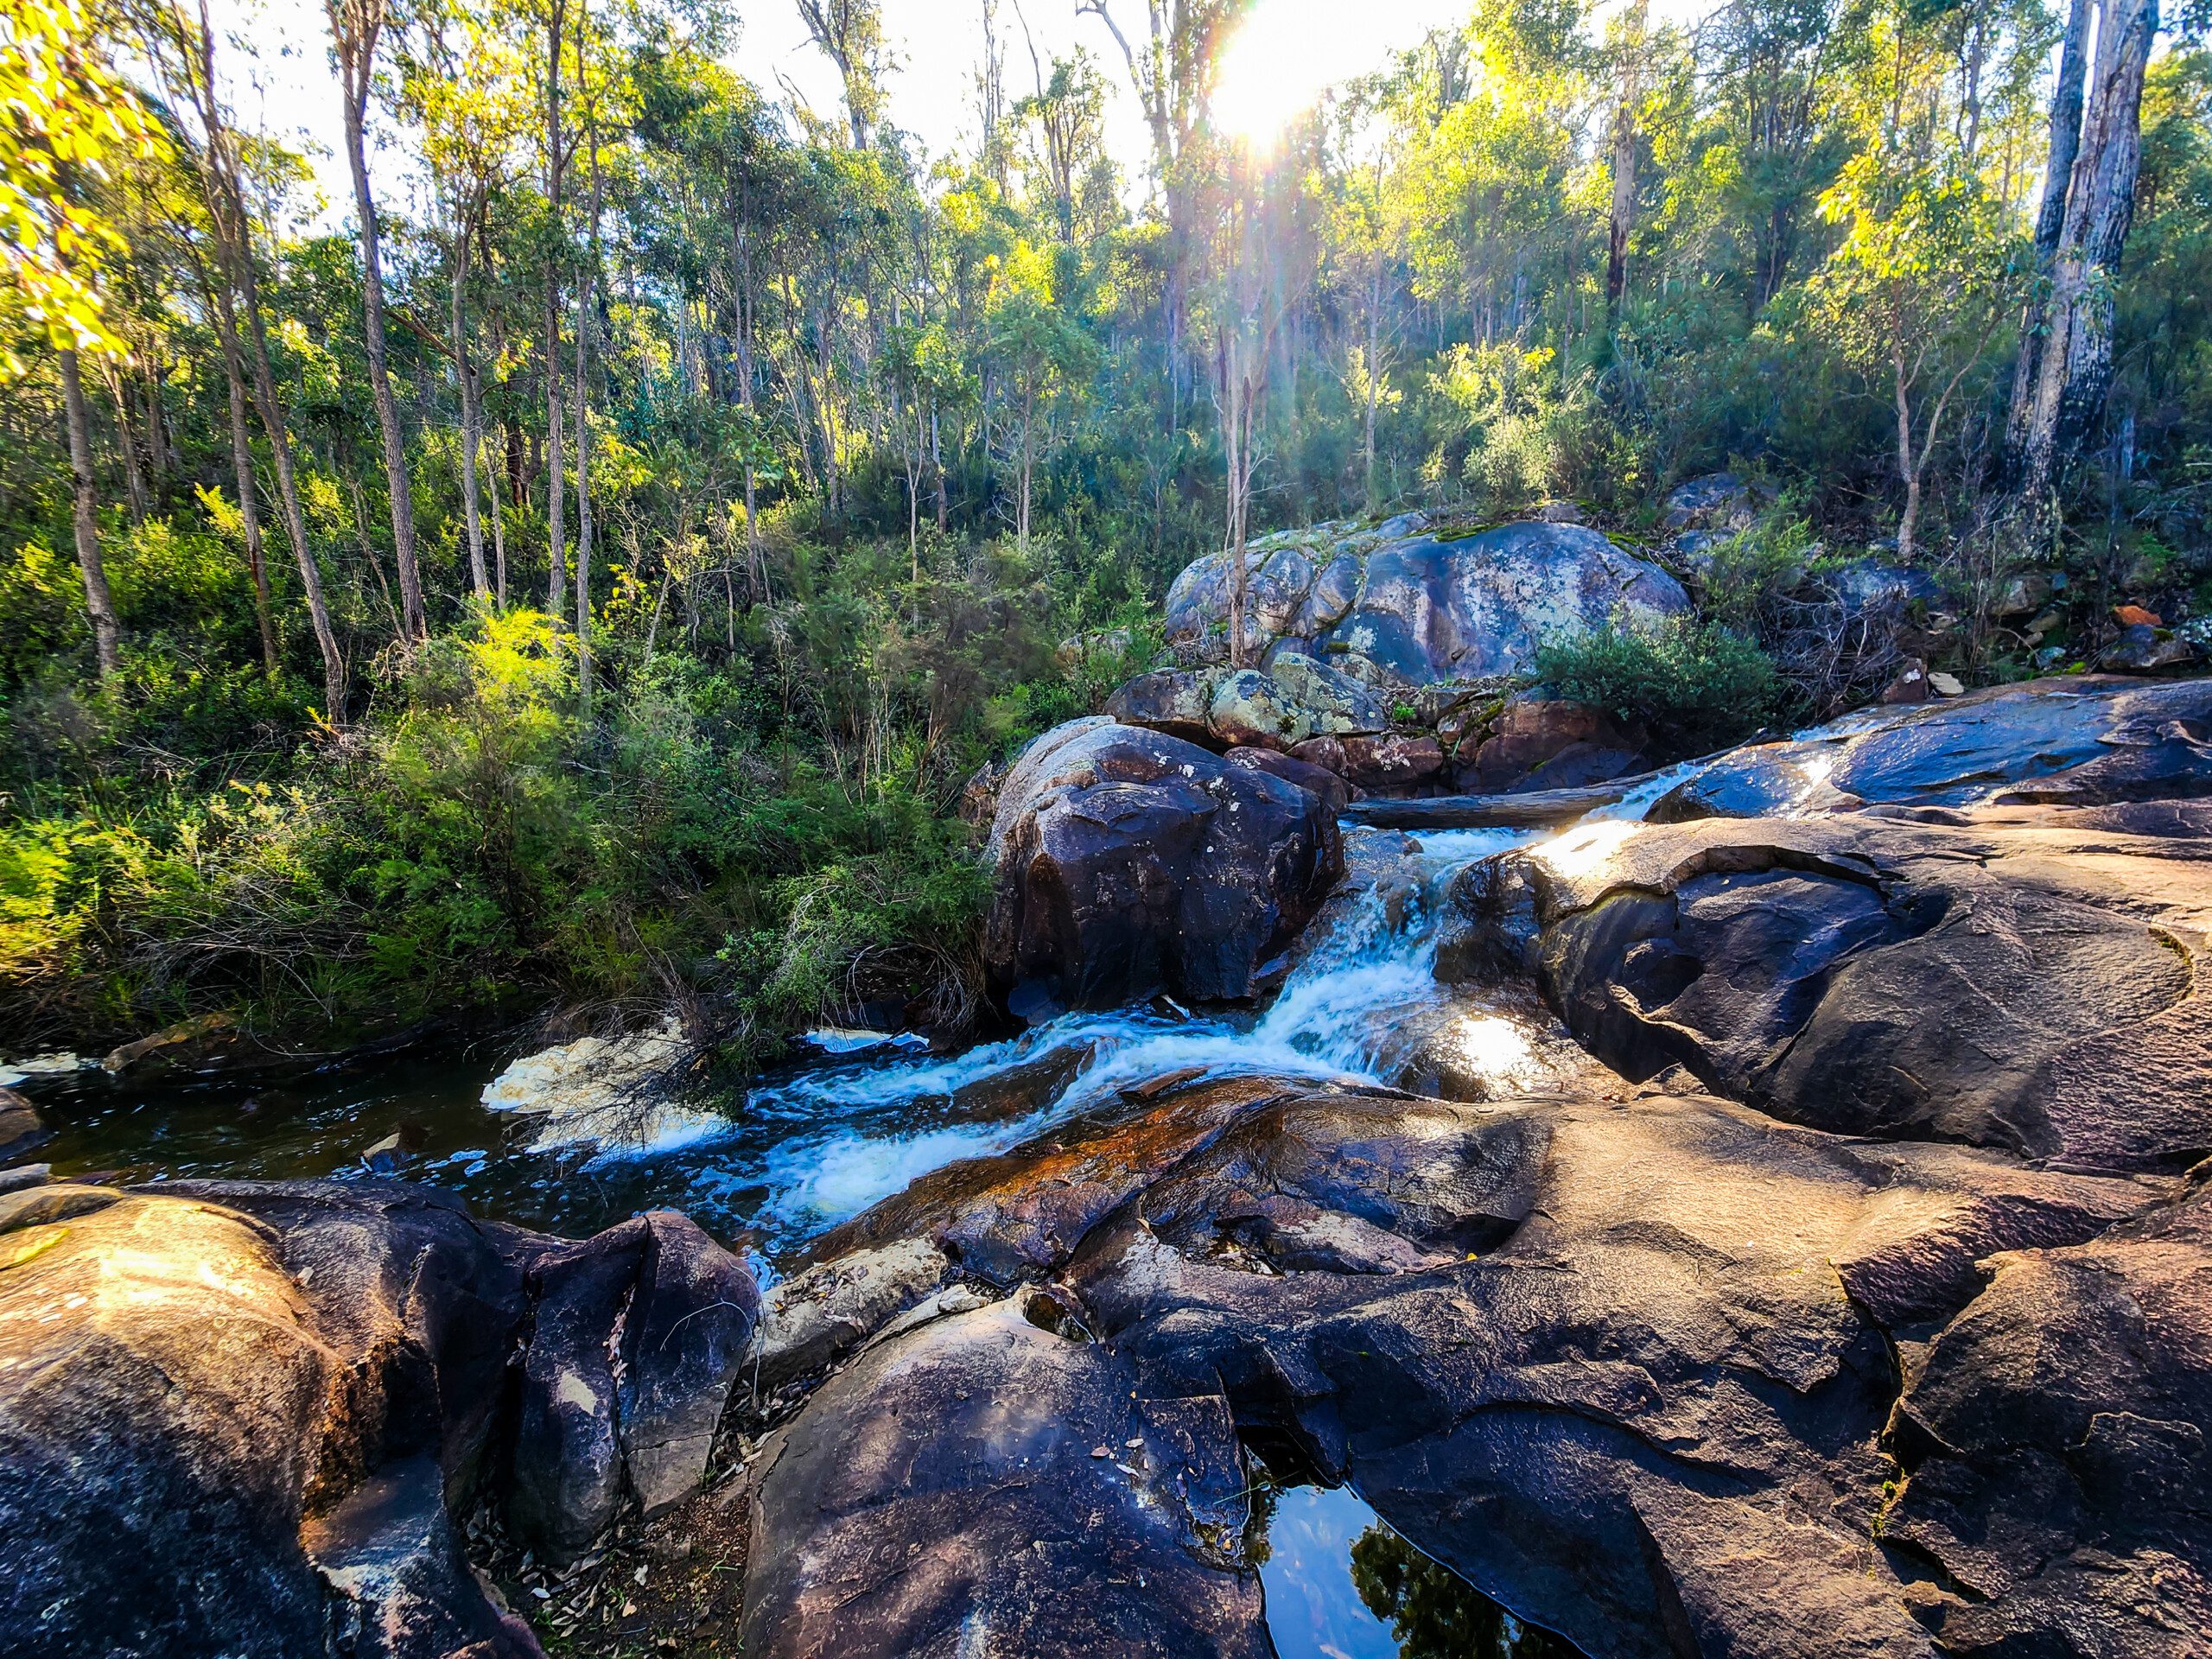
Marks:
<point>818,1142</point>
<point>1361,997</point>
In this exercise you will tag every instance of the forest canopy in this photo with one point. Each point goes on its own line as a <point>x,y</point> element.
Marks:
<point>594,580</point>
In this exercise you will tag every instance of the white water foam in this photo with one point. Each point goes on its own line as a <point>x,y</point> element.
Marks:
<point>809,1149</point>
<point>1362,996</point>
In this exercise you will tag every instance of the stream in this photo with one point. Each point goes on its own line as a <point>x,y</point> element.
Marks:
<point>815,1142</point>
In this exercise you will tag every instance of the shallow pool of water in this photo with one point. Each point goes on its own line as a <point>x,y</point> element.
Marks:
<point>1341,1584</point>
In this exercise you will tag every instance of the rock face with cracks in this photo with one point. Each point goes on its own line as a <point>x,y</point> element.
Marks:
<point>1634,1366</point>
<point>940,1499</point>
<point>237,1418</point>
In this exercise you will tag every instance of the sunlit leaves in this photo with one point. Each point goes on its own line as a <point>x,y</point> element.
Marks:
<point>68,122</point>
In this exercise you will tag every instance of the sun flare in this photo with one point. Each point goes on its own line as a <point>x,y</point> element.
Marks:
<point>1283,58</point>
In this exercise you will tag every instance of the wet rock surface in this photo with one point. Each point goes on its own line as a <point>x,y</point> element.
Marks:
<point>238,1417</point>
<point>1127,862</point>
<point>1859,1303</point>
<point>2054,1435</point>
<point>2015,985</point>
<point>2084,740</point>
<point>1875,1323</point>
<point>1629,1365</point>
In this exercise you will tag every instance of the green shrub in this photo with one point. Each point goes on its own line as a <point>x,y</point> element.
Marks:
<point>1694,686</point>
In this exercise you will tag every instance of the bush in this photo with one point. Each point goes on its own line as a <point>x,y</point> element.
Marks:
<point>1695,687</point>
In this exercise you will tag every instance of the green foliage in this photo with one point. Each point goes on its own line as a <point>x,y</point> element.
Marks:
<point>773,841</point>
<point>1695,686</point>
<point>891,467</point>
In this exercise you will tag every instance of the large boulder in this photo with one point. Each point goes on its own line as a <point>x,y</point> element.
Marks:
<point>1400,608</point>
<point>187,1428</point>
<point>1127,862</point>
<point>2010,982</point>
<point>2078,741</point>
<point>993,1483</point>
<point>1626,1365</point>
<point>1335,794</point>
<point>638,1337</point>
<point>1541,740</point>
<point>238,1417</point>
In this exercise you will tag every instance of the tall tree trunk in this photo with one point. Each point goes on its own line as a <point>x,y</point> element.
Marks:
<point>356,35</point>
<point>585,319</point>
<point>2077,368</point>
<point>1901,384</point>
<point>126,442</point>
<point>1028,461</point>
<point>232,228</point>
<point>98,607</point>
<point>756,563</point>
<point>1235,429</point>
<point>242,463</point>
<point>936,465</point>
<point>471,417</point>
<point>296,522</point>
<point>557,529</point>
<point>2051,222</point>
<point>1374,378</point>
<point>1624,206</point>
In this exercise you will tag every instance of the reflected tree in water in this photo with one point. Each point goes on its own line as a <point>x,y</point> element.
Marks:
<point>1436,1614</point>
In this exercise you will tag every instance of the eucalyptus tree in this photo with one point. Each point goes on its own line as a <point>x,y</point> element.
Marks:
<point>2074,328</point>
<point>464,88</point>
<point>73,120</point>
<point>358,29</point>
<point>179,50</point>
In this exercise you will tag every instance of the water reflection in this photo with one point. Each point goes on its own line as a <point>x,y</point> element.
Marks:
<point>1341,1584</point>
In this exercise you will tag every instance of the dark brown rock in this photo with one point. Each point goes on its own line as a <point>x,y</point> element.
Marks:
<point>942,1494</point>
<point>1650,1418</point>
<point>2055,1439</point>
<point>2084,740</point>
<point>684,1336</point>
<point>636,1334</point>
<point>1021,1213</point>
<point>2145,648</point>
<point>1392,761</point>
<point>1127,862</point>
<point>237,1417</point>
<point>21,1132</point>
<point>398,1583</point>
<point>1626,1366</point>
<point>1910,685</point>
<point>2013,985</point>
<point>191,1403</point>
<point>1335,794</point>
<point>1539,742</point>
